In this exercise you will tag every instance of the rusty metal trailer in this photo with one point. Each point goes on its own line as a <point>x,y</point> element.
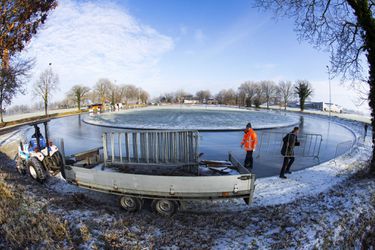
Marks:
<point>135,166</point>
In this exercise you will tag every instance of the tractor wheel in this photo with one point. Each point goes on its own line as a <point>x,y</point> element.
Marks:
<point>131,204</point>
<point>57,161</point>
<point>165,207</point>
<point>36,170</point>
<point>20,166</point>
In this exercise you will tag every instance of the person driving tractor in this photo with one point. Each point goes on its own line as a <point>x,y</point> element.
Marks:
<point>35,137</point>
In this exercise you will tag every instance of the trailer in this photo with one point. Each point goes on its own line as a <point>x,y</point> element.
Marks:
<point>162,166</point>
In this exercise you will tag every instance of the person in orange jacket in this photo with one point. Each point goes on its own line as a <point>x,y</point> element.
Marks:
<point>249,142</point>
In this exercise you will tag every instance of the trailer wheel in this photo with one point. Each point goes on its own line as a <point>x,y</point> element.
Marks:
<point>131,204</point>
<point>20,166</point>
<point>165,207</point>
<point>36,170</point>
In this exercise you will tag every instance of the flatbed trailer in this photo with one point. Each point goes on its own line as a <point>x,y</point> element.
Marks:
<point>203,180</point>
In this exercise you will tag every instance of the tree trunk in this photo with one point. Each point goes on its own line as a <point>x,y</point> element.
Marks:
<point>371,82</point>
<point>302,104</point>
<point>367,22</point>
<point>45,108</point>
<point>1,110</point>
<point>79,104</point>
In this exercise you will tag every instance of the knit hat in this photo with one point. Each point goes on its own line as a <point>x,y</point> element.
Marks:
<point>248,125</point>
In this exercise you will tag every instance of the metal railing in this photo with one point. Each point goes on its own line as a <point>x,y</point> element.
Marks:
<point>343,147</point>
<point>157,147</point>
<point>272,142</point>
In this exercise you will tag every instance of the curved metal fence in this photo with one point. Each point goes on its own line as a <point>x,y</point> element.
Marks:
<point>272,142</point>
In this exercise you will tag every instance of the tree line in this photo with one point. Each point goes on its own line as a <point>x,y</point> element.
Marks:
<point>104,91</point>
<point>249,94</point>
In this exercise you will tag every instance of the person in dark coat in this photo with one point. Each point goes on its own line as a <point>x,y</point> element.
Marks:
<point>365,127</point>
<point>287,150</point>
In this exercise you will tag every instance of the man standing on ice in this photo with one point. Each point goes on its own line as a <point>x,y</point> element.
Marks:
<point>289,142</point>
<point>250,142</point>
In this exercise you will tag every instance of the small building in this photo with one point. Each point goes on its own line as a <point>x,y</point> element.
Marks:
<point>212,101</point>
<point>192,101</point>
<point>324,106</point>
<point>96,108</point>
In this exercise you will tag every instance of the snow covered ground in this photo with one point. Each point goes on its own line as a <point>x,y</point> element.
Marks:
<point>8,118</point>
<point>326,206</point>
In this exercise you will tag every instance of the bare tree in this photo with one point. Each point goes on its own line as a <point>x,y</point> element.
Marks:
<point>112,93</point>
<point>346,28</point>
<point>227,97</point>
<point>121,93</point>
<point>247,93</point>
<point>45,86</point>
<point>203,95</point>
<point>285,92</point>
<point>269,91</point>
<point>167,98</point>
<point>259,96</point>
<point>78,93</point>
<point>180,95</point>
<point>102,89</point>
<point>12,80</point>
<point>303,90</point>
<point>143,96</point>
<point>130,92</point>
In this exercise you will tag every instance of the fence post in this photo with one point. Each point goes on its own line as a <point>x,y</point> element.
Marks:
<point>120,146</point>
<point>105,152</point>
<point>113,146</point>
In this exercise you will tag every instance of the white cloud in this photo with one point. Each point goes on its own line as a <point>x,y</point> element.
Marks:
<point>88,40</point>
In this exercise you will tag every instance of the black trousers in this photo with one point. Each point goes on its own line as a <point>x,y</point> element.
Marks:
<point>288,161</point>
<point>249,160</point>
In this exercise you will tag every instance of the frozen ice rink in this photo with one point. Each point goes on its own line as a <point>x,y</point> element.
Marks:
<point>80,136</point>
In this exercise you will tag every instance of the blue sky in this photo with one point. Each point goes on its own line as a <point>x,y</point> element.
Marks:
<point>167,45</point>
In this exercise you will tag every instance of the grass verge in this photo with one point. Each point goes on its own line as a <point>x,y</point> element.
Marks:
<point>28,224</point>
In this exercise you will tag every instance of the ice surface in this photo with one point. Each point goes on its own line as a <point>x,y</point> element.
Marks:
<point>197,118</point>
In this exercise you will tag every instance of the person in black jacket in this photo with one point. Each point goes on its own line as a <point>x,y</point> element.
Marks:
<point>289,142</point>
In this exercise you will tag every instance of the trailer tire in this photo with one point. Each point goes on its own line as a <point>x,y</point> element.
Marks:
<point>20,166</point>
<point>131,204</point>
<point>165,207</point>
<point>36,170</point>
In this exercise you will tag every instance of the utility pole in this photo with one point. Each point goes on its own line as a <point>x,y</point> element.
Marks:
<point>330,97</point>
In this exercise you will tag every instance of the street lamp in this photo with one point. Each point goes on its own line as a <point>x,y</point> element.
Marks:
<point>330,97</point>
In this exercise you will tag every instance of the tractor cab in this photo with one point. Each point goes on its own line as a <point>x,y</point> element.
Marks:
<point>39,156</point>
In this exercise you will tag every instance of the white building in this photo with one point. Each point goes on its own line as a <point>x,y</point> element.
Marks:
<point>324,106</point>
